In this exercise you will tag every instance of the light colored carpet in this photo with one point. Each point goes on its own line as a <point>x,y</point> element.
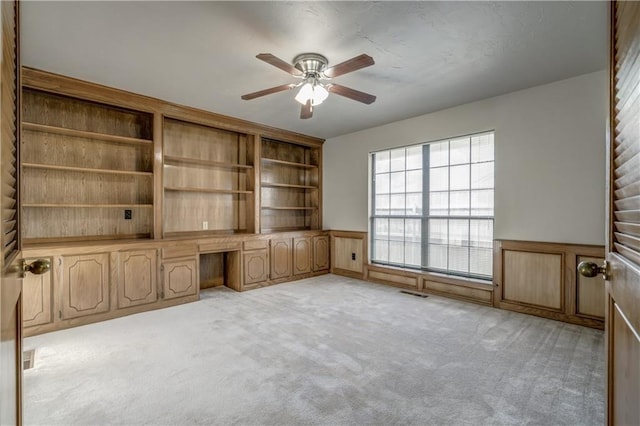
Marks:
<point>326,350</point>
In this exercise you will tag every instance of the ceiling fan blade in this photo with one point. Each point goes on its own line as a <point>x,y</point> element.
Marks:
<point>347,92</point>
<point>349,65</point>
<point>307,110</point>
<point>269,91</point>
<point>279,63</point>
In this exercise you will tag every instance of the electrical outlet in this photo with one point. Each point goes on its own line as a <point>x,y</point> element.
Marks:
<point>127,214</point>
<point>353,256</point>
<point>205,224</point>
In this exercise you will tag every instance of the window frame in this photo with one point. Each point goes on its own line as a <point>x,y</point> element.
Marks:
<point>426,215</point>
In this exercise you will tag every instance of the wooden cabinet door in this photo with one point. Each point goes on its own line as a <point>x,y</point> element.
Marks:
<point>85,285</point>
<point>179,278</point>
<point>320,253</point>
<point>301,255</point>
<point>256,266</point>
<point>36,298</point>
<point>137,277</point>
<point>280,258</point>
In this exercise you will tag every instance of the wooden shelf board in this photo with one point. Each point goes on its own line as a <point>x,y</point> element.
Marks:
<point>197,161</point>
<point>72,205</point>
<point>287,208</point>
<point>83,133</point>
<point>285,229</point>
<point>62,241</point>
<point>209,232</point>
<point>289,163</point>
<point>286,185</point>
<point>206,190</point>
<point>84,169</point>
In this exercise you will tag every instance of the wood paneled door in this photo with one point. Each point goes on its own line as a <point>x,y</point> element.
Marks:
<point>622,315</point>
<point>301,255</point>
<point>179,278</point>
<point>85,285</point>
<point>281,258</point>
<point>137,270</point>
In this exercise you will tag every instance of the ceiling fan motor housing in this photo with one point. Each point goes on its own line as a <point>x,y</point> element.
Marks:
<point>311,64</point>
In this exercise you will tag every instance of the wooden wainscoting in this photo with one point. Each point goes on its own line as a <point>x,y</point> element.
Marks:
<point>540,278</point>
<point>346,244</point>
<point>349,253</point>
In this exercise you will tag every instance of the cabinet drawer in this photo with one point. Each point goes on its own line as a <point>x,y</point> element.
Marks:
<point>225,246</point>
<point>256,244</point>
<point>179,251</point>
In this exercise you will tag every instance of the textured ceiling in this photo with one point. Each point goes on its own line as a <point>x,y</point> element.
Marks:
<point>429,55</point>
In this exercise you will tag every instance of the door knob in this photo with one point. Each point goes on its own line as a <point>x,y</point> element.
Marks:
<point>591,269</point>
<point>37,267</point>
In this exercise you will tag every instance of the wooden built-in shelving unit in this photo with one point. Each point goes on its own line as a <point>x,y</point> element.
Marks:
<point>208,179</point>
<point>82,163</point>
<point>139,203</point>
<point>290,186</point>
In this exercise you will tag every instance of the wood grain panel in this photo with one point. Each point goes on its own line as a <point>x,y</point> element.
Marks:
<point>590,292</point>
<point>232,270</point>
<point>320,253</point>
<point>196,141</point>
<point>84,223</point>
<point>43,186</point>
<point>85,285</point>
<point>137,278</point>
<point>404,279</point>
<point>51,148</point>
<point>186,212</point>
<point>625,367</point>
<point>212,270</point>
<point>281,258</point>
<point>73,113</point>
<point>459,291</point>
<point>37,302</point>
<point>302,255</point>
<point>533,278</point>
<point>256,266</point>
<point>344,249</point>
<point>180,278</point>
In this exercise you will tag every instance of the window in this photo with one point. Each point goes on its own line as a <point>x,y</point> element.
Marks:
<point>432,206</point>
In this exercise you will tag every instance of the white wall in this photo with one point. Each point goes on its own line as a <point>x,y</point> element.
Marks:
<point>549,153</point>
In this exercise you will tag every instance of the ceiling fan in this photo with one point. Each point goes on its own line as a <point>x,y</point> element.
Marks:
<point>312,69</point>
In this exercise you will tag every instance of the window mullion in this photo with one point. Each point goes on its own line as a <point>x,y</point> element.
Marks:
<point>424,237</point>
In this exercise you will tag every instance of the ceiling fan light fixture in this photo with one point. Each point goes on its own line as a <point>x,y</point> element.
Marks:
<point>319,94</point>
<point>305,93</point>
<point>313,91</point>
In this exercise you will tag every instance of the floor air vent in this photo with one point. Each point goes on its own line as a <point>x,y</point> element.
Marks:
<point>412,293</point>
<point>28,358</point>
